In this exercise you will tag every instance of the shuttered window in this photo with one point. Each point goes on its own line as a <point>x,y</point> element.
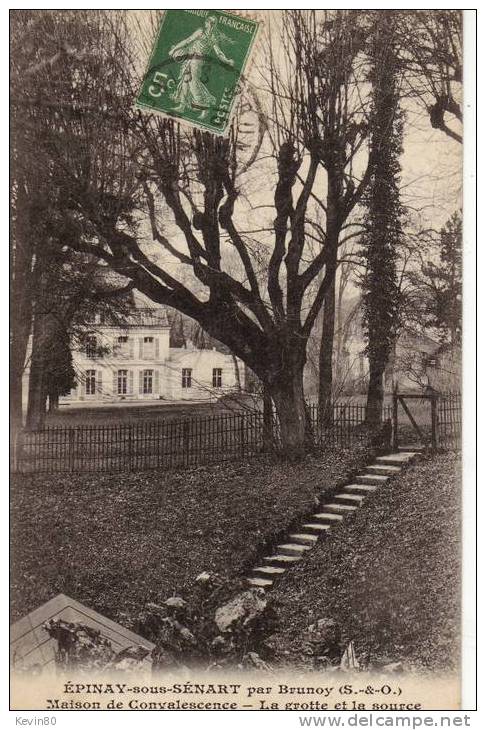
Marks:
<point>217,377</point>
<point>122,382</point>
<point>186,377</point>
<point>149,348</point>
<point>90,382</point>
<point>148,382</point>
<point>123,347</point>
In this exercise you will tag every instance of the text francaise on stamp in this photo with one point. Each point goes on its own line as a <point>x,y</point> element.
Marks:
<point>197,65</point>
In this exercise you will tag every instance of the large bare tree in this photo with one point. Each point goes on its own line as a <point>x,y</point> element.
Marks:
<point>197,191</point>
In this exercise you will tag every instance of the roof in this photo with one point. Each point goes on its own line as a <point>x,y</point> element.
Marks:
<point>147,317</point>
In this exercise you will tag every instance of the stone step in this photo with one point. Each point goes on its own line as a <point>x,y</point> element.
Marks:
<point>396,459</point>
<point>412,448</point>
<point>337,508</point>
<point>268,571</point>
<point>316,528</point>
<point>293,549</point>
<point>349,498</point>
<point>360,488</point>
<point>284,560</point>
<point>383,470</point>
<point>328,518</point>
<point>371,479</point>
<point>304,538</point>
<point>260,582</point>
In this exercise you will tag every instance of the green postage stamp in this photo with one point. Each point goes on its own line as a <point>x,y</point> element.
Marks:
<point>197,66</point>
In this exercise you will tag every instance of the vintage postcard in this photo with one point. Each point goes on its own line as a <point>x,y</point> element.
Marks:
<point>236,373</point>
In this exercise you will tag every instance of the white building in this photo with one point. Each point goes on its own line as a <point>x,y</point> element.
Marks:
<point>134,362</point>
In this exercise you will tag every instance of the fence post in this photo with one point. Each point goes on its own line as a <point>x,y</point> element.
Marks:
<point>185,441</point>
<point>433,412</point>
<point>72,434</point>
<point>395,420</point>
<point>130,446</point>
<point>242,434</point>
<point>16,450</point>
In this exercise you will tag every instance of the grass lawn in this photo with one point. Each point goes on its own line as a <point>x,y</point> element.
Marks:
<point>390,575</point>
<point>116,541</point>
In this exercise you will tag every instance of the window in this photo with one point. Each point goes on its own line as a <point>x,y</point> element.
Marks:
<point>90,382</point>
<point>148,348</point>
<point>148,377</point>
<point>121,346</point>
<point>186,377</point>
<point>217,377</point>
<point>91,347</point>
<point>122,382</point>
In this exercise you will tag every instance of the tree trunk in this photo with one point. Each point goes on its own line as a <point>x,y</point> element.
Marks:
<point>288,396</point>
<point>325,356</point>
<point>328,310</point>
<point>37,403</point>
<point>374,404</point>
<point>268,442</point>
<point>23,288</point>
<point>53,402</point>
<point>18,353</point>
<point>237,372</point>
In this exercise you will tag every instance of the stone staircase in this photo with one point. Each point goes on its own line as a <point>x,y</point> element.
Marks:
<point>333,511</point>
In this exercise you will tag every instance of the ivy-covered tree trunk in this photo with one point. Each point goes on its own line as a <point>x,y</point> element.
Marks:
<point>384,213</point>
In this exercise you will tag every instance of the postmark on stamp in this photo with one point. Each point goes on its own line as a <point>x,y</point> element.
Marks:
<point>197,67</point>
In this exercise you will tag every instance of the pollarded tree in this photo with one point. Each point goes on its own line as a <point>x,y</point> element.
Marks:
<point>324,98</point>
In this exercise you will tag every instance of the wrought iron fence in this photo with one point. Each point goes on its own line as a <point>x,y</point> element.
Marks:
<point>197,441</point>
<point>180,443</point>
<point>449,421</point>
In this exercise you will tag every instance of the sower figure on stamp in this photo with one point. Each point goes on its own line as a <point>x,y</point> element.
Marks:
<point>191,90</point>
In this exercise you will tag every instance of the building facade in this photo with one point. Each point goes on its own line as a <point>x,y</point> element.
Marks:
<point>134,362</point>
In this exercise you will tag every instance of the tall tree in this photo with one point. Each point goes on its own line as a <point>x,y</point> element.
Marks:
<point>54,59</point>
<point>327,55</point>
<point>192,184</point>
<point>383,221</point>
<point>433,296</point>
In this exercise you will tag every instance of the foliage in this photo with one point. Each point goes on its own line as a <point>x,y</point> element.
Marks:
<point>441,283</point>
<point>383,218</point>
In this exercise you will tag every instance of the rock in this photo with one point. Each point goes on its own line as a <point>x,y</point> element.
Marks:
<point>241,610</point>
<point>252,660</point>
<point>222,645</point>
<point>393,668</point>
<point>155,608</point>
<point>163,658</point>
<point>176,602</point>
<point>323,639</point>
<point>203,577</point>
